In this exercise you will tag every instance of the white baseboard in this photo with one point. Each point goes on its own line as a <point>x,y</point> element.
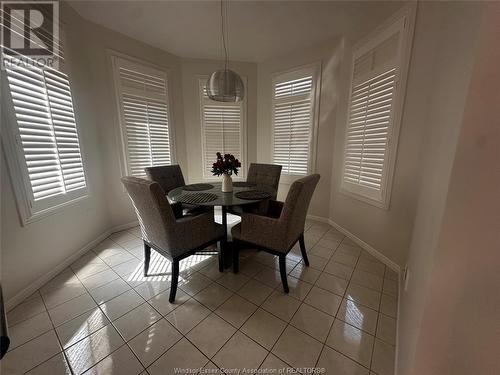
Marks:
<point>41,281</point>
<point>377,254</point>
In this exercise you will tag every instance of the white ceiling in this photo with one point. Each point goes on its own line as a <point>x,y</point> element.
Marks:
<point>258,30</point>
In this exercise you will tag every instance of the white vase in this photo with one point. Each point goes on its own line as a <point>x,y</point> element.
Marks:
<point>227,183</point>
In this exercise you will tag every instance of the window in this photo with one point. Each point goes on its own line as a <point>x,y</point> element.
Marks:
<point>45,155</point>
<point>294,120</point>
<point>374,113</point>
<point>144,115</point>
<point>222,127</point>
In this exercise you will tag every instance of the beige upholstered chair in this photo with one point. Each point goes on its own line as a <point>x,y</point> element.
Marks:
<point>173,238</point>
<point>170,177</point>
<point>265,175</point>
<point>283,226</point>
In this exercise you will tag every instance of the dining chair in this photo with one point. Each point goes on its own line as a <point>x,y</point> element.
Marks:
<point>174,238</point>
<point>170,177</point>
<point>280,229</point>
<point>265,175</point>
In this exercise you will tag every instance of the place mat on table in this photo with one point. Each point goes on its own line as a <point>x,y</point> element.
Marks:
<point>197,187</point>
<point>253,194</point>
<point>197,198</point>
<point>243,184</point>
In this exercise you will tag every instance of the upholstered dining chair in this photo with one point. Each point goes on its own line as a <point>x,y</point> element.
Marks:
<point>265,175</point>
<point>280,229</point>
<point>173,238</point>
<point>170,177</point>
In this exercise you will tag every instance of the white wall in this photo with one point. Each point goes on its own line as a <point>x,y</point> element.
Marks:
<point>192,69</point>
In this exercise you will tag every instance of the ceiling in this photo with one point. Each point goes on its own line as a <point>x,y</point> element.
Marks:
<point>258,30</point>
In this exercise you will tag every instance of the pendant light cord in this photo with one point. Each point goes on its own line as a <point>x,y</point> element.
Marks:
<point>223,14</point>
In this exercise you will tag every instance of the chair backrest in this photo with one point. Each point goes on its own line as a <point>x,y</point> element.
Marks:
<point>153,210</point>
<point>296,205</point>
<point>168,176</point>
<point>265,174</point>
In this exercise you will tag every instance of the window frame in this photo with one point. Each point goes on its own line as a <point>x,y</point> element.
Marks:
<point>28,211</point>
<point>404,22</point>
<point>114,56</point>
<point>315,69</point>
<point>202,79</point>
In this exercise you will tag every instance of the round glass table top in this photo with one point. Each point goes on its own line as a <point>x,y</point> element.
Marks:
<point>223,199</point>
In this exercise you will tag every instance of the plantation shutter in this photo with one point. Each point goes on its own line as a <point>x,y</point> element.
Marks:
<point>371,115</point>
<point>222,125</point>
<point>292,123</point>
<point>145,120</point>
<point>47,134</point>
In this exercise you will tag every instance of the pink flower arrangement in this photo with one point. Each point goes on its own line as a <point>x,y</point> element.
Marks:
<point>226,164</point>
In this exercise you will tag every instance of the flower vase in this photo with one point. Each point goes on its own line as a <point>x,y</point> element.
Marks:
<point>227,183</point>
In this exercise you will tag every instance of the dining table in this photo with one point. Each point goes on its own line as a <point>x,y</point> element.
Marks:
<point>211,195</point>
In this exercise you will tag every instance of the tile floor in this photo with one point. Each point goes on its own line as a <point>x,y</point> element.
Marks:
<point>101,316</point>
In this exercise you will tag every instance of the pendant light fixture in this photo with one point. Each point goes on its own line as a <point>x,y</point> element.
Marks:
<point>225,85</point>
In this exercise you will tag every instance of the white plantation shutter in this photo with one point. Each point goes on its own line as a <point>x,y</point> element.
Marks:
<point>293,113</point>
<point>222,128</point>
<point>373,104</point>
<point>47,135</point>
<point>145,120</point>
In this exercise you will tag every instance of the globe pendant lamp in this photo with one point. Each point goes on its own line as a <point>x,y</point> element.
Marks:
<point>225,85</point>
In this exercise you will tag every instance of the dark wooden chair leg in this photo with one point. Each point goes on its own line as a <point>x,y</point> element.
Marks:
<point>236,257</point>
<point>282,261</point>
<point>303,249</point>
<point>221,256</point>
<point>175,279</point>
<point>147,258</point>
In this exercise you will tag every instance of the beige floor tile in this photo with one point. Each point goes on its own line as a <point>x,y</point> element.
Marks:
<point>29,329</point>
<point>274,365</point>
<point>329,243</point>
<point>297,348</point>
<point>56,365</point>
<point>358,316</point>
<point>86,259</point>
<point>26,309</point>
<point>233,281</point>
<point>194,283</point>
<point>389,305</point>
<point>281,305</point>
<point>364,296</point>
<point>391,288</point>
<point>212,271</point>
<point>390,274</point>
<point>211,334</point>
<point>312,321</point>
<point>374,267</point>
<point>163,306</point>
<point>236,310</point>
<point>55,297</point>
<point>347,259</point>
<point>333,236</point>
<point>99,279</point>
<point>109,291</point>
<point>80,327</point>
<point>65,278</point>
<point>150,344</point>
<point>352,342</point>
<point>269,276</point>
<point>383,358</point>
<point>120,362</point>
<point>149,289</point>
<point>316,262</point>
<point>132,244</point>
<point>298,288</point>
<point>122,304</point>
<point>71,309</point>
<point>323,300</point>
<point>349,250</point>
<point>264,328</point>
<point>367,279</point>
<point>31,354</point>
<point>90,269</point>
<point>340,270</point>
<point>213,296</point>
<point>183,355</point>
<point>87,352</point>
<point>386,329</point>
<point>305,273</point>
<point>332,283</point>
<point>107,248</point>
<point>250,267</point>
<point>336,363</point>
<point>240,352</point>
<point>347,241</point>
<point>255,291</point>
<point>117,259</point>
<point>187,315</point>
<point>321,251</point>
<point>136,321</point>
<point>122,237</point>
<point>134,266</point>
